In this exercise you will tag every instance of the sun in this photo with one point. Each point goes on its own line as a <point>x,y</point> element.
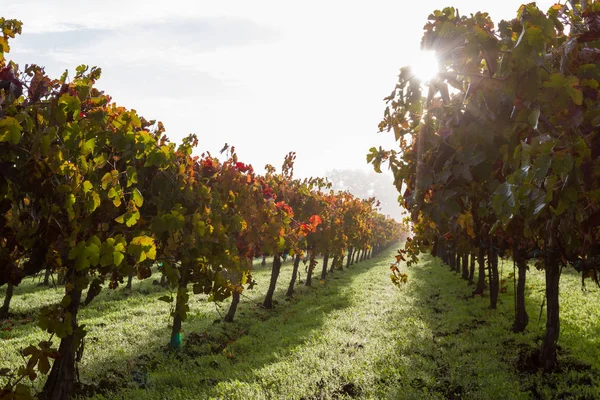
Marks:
<point>425,66</point>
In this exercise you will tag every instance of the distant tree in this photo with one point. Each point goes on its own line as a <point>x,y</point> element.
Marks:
<point>365,184</point>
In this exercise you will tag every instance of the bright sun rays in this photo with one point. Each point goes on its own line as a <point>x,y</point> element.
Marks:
<point>425,66</point>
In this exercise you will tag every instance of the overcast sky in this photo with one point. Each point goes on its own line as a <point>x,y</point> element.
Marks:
<point>266,76</point>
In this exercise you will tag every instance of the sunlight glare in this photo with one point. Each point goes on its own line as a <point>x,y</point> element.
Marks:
<point>425,66</point>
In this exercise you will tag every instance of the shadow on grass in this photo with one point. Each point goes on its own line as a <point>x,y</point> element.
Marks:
<point>112,339</point>
<point>110,366</point>
<point>108,299</point>
<point>467,350</point>
<point>227,352</point>
<point>29,286</point>
<point>29,300</point>
<point>449,345</point>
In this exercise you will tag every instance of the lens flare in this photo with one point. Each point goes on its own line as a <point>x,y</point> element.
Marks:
<point>425,66</point>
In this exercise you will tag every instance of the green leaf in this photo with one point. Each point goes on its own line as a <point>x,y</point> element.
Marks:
<point>94,240</point>
<point>88,147</point>
<point>94,202</point>
<point>81,69</point>
<point>200,228</point>
<point>106,255</point>
<point>132,176</point>
<point>86,254</point>
<point>118,258</point>
<point>563,205</point>
<point>504,202</point>
<point>142,247</point>
<point>539,206</point>
<point>132,219</point>
<point>10,130</point>
<point>71,103</point>
<point>541,166</point>
<point>576,96</point>
<point>83,91</point>
<point>111,251</point>
<point>87,186</point>
<point>280,243</point>
<point>129,218</point>
<point>119,243</point>
<point>534,117</point>
<point>534,36</point>
<point>22,392</point>
<point>581,151</point>
<point>100,161</point>
<point>138,199</point>
<point>451,208</point>
<point>556,81</point>
<point>44,365</point>
<point>81,263</point>
<point>109,178</point>
<point>76,251</point>
<point>549,184</point>
<point>374,157</point>
<point>92,252</point>
<point>70,200</point>
<point>45,144</point>
<point>563,164</point>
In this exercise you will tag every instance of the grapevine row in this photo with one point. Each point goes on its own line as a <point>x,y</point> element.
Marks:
<point>500,155</point>
<point>98,193</point>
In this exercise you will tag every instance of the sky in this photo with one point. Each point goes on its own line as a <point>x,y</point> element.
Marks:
<point>268,77</point>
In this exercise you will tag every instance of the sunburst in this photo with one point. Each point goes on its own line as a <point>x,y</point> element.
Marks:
<point>425,66</point>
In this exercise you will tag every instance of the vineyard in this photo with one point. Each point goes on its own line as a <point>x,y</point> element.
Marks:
<point>500,154</point>
<point>133,267</point>
<point>96,195</point>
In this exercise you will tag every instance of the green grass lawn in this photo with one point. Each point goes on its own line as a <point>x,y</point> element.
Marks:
<point>355,336</point>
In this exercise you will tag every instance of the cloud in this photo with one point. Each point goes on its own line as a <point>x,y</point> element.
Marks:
<point>189,57</point>
<point>266,76</point>
<point>70,15</point>
<point>75,38</point>
<point>198,35</point>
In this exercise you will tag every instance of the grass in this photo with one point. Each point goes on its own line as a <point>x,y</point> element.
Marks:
<point>355,336</point>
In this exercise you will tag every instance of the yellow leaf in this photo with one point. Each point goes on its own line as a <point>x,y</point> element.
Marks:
<point>10,130</point>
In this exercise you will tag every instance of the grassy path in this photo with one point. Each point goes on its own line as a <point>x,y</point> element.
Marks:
<point>355,336</point>
<point>330,341</point>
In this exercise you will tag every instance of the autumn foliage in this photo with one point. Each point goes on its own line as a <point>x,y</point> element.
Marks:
<point>98,193</point>
<point>501,156</point>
